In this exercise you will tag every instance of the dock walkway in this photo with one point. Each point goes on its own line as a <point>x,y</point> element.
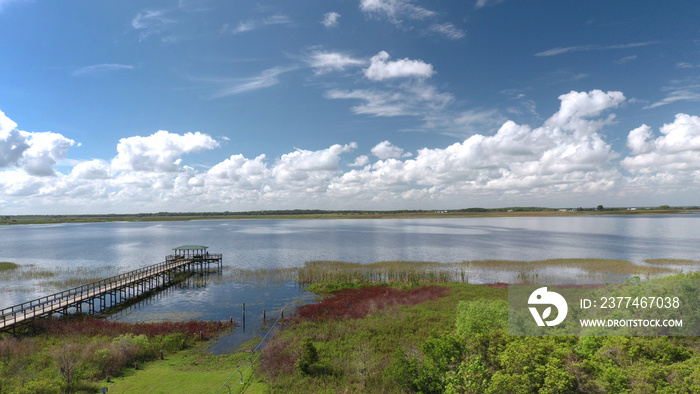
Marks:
<point>109,292</point>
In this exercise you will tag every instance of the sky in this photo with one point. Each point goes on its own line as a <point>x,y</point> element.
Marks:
<point>132,106</point>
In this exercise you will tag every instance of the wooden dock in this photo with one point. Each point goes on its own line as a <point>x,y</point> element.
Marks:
<point>112,291</point>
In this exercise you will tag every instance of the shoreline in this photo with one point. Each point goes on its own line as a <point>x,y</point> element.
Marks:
<point>9,220</point>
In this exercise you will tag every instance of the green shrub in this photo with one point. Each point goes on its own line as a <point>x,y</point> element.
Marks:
<point>481,316</point>
<point>171,342</point>
<point>410,372</point>
<point>472,377</point>
<point>309,356</point>
<point>443,351</point>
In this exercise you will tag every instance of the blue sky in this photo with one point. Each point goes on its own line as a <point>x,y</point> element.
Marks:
<point>128,106</point>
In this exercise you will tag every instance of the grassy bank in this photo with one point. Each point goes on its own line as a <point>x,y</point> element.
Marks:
<point>191,371</point>
<point>78,353</point>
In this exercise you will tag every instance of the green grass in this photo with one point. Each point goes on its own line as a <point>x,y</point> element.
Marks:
<point>8,266</point>
<point>191,371</point>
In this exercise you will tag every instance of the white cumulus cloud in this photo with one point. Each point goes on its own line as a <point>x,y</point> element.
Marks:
<point>676,151</point>
<point>360,161</point>
<point>578,107</point>
<point>241,172</point>
<point>552,159</point>
<point>35,153</point>
<point>386,150</point>
<point>93,169</point>
<point>45,149</point>
<point>160,151</point>
<point>302,165</point>
<point>381,68</point>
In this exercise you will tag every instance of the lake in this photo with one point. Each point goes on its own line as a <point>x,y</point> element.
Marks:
<point>105,249</point>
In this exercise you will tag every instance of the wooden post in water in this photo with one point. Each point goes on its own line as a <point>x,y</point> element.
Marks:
<point>244,317</point>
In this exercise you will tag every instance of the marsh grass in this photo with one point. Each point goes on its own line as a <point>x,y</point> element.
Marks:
<point>262,275</point>
<point>25,272</point>
<point>7,266</point>
<point>673,261</point>
<point>594,266</point>
<point>404,272</point>
<point>28,276</point>
<point>391,272</point>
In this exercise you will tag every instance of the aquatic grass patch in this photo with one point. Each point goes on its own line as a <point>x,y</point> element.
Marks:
<point>26,272</point>
<point>339,274</point>
<point>7,266</point>
<point>673,261</point>
<point>591,265</point>
<point>391,272</point>
<point>258,276</point>
<point>69,283</point>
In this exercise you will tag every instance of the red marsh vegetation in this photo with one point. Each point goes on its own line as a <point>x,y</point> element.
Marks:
<point>100,327</point>
<point>357,303</point>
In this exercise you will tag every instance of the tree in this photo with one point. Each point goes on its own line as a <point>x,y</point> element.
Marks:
<point>599,208</point>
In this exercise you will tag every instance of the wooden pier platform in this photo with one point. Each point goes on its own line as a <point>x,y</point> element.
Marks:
<point>112,291</point>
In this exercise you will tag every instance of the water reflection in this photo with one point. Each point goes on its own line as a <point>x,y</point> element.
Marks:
<point>198,298</point>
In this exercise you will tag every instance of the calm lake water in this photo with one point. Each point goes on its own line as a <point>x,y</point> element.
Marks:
<point>105,249</point>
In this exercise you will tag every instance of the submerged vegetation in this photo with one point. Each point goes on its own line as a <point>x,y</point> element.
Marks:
<point>59,278</point>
